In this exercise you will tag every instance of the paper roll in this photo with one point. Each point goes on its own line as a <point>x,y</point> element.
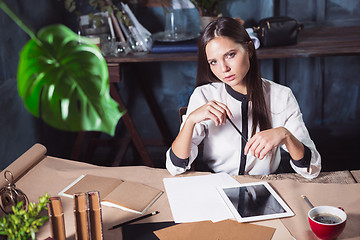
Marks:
<point>24,163</point>
<point>81,216</point>
<point>56,217</point>
<point>95,215</point>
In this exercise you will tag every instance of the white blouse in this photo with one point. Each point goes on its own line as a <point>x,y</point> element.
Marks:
<point>222,144</point>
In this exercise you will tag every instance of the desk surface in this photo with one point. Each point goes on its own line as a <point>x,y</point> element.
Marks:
<point>342,177</point>
<point>50,175</point>
<point>312,42</point>
<point>318,42</point>
<point>356,175</point>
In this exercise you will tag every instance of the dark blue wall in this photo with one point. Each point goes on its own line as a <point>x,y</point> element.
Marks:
<point>327,88</point>
<point>19,130</point>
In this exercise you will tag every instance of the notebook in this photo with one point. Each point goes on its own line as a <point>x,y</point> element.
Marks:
<point>126,195</point>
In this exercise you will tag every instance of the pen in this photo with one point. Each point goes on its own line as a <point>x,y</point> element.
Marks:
<point>242,135</point>
<point>307,201</point>
<point>134,220</point>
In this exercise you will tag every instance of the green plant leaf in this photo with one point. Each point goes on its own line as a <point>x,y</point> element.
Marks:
<point>64,80</point>
<point>19,225</point>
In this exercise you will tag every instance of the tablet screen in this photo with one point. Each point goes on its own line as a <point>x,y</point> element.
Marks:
<point>255,201</point>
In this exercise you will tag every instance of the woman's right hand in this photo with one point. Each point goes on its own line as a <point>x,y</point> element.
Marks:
<point>212,110</point>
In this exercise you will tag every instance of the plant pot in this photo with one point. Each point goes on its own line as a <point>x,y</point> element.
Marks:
<point>205,20</point>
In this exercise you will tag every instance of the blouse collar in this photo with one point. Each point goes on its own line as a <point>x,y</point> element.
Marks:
<point>238,96</point>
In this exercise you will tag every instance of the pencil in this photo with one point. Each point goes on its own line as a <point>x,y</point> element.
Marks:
<point>242,135</point>
<point>134,220</point>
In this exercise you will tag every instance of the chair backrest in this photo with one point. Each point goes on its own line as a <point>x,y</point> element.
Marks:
<point>182,112</point>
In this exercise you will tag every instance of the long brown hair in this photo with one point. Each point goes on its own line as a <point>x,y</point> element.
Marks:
<point>231,28</point>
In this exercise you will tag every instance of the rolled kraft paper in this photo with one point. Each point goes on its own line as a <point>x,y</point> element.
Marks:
<point>24,163</point>
<point>96,224</point>
<point>95,216</point>
<point>58,227</point>
<point>81,216</point>
<point>81,225</point>
<point>56,216</point>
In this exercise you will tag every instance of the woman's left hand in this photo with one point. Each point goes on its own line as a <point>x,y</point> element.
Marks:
<point>263,142</point>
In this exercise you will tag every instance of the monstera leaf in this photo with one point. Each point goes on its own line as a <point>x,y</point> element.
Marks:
<point>64,80</point>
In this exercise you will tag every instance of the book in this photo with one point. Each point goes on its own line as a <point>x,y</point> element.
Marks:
<point>113,23</point>
<point>116,28</point>
<point>126,195</point>
<point>173,47</point>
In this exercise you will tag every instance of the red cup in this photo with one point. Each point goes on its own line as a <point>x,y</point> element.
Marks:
<point>327,231</point>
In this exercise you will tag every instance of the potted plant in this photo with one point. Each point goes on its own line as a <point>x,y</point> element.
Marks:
<point>208,10</point>
<point>64,80</point>
<point>23,224</point>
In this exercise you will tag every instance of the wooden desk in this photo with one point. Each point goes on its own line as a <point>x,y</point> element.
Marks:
<point>342,177</point>
<point>312,42</point>
<point>316,42</point>
<point>51,175</point>
<point>356,175</point>
<point>111,216</point>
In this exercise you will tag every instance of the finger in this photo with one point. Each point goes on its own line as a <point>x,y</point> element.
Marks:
<point>249,144</point>
<point>253,148</point>
<point>258,149</point>
<point>222,108</point>
<point>228,112</point>
<point>218,111</point>
<point>264,152</point>
<point>213,117</point>
<point>218,117</point>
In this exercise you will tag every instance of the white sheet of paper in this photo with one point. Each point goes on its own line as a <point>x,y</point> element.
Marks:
<point>196,198</point>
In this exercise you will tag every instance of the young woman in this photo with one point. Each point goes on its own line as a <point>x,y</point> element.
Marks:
<point>232,98</point>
